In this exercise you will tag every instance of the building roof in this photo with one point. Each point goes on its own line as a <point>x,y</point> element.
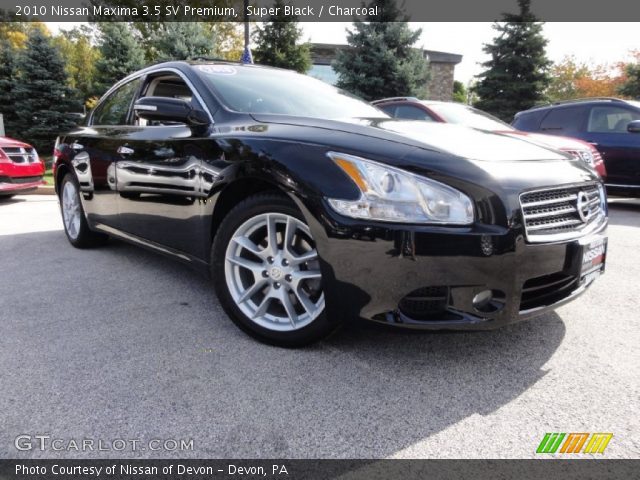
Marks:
<point>431,55</point>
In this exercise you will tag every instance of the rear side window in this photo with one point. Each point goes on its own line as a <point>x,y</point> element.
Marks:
<point>410,112</point>
<point>529,121</point>
<point>388,109</point>
<point>114,109</point>
<point>565,119</point>
<point>609,119</point>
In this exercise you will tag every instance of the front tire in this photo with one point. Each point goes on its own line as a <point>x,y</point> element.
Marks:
<point>266,272</point>
<point>75,223</point>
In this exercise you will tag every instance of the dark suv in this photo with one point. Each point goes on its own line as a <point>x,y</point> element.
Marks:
<point>610,124</point>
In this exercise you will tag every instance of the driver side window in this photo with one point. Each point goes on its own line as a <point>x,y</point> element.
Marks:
<point>114,110</point>
<point>167,85</point>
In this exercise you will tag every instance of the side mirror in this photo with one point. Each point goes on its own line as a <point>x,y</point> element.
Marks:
<point>167,109</point>
<point>634,127</point>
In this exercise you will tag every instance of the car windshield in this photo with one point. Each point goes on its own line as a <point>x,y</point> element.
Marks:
<point>263,90</point>
<point>468,116</point>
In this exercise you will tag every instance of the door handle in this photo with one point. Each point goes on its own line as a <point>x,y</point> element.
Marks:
<point>124,150</point>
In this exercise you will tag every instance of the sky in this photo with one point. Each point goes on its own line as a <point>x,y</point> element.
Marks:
<point>588,42</point>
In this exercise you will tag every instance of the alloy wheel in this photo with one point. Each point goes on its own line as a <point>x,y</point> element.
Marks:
<point>273,273</point>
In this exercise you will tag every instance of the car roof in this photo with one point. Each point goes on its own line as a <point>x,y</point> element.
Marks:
<point>578,101</point>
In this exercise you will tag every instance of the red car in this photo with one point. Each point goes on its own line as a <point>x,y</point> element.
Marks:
<point>20,167</point>
<point>411,108</point>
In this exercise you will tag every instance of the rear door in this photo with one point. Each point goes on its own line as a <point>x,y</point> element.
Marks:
<point>93,151</point>
<point>607,129</point>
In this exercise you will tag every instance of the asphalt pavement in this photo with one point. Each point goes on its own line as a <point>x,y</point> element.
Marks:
<point>118,343</point>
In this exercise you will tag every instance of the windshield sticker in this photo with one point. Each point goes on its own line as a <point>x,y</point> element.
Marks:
<point>217,69</point>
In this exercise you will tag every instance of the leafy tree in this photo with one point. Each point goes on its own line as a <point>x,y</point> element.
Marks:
<point>459,92</point>
<point>278,42</point>
<point>516,76</point>
<point>80,57</point>
<point>8,58</point>
<point>631,84</point>
<point>183,40</point>
<point>120,54</point>
<point>572,79</point>
<point>42,98</point>
<point>382,61</point>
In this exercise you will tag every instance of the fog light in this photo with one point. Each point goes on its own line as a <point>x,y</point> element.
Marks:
<point>482,300</point>
<point>486,245</point>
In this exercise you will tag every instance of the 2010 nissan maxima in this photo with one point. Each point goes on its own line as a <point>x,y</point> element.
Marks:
<point>309,206</point>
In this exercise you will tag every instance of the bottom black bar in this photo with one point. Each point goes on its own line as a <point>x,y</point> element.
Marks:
<point>545,469</point>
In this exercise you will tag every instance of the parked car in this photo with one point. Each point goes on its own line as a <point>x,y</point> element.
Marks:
<point>20,168</point>
<point>451,112</point>
<point>610,124</point>
<point>309,206</point>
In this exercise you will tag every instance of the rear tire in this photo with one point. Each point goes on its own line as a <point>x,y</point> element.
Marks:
<point>7,197</point>
<point>266,273</point>
<point>75,223</point>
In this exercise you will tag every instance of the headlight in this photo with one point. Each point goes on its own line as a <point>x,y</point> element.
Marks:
<point>389,194</point>
<point>586,156</point>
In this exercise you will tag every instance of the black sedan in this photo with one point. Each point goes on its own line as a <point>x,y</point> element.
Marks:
<point>308,206</point>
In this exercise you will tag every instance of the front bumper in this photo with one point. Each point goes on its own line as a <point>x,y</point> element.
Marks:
<point>11,188</point>
<point>427,277</point>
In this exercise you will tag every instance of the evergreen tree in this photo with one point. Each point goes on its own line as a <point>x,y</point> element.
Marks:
<point>382,61</point>
<point>631,86</point>
<point>7,83</point>
<point>42,99</point>
<point>183,40</point>
<point>278,42</point>
<point>120,54</point>
<point>516,76</point>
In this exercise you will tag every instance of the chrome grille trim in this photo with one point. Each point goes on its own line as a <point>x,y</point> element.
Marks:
<point>552,214</point>
<point>20,155</point>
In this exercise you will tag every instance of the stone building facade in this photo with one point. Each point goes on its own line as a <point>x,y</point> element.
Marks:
<point>442,66</point>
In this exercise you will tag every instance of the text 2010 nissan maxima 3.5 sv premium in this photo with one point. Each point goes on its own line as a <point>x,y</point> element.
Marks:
<point>309,206</point>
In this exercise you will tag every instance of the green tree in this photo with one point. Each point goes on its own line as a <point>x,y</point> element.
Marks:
<point>631,85</point>
<point>382,61</point>
<point>516,76</point>
<point>120,54</point>
<point>8,57</point>
<point>80,57</point>
<point>183,40</point>
<point>459,92</point>
<point>42,99</point>
<point>278,42</point>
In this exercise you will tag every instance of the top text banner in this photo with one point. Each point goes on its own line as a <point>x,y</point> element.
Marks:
<point>311,10</point>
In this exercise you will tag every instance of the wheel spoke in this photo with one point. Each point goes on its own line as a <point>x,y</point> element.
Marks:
<point>302,275</point>
<point>252,290</point>
<point>305,257</point>
<point>288,306</point>
<point>272,235</point>
<point>264,304</point>
<point>247,244</point>
<point>255,267</point>
<point>289,234</point>
<point>305,301</point>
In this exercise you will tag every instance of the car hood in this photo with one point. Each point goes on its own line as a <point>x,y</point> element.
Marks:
<point>456,140</point>
<point>553,141</point>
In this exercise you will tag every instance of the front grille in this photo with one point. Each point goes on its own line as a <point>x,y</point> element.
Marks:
<point>20,154</point>
<point>562,213</point>
<point>546,290</point>
<point>425,303</point>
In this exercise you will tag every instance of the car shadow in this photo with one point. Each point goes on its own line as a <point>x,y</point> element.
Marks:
<point>10,200</point>
<point>125,343</point>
